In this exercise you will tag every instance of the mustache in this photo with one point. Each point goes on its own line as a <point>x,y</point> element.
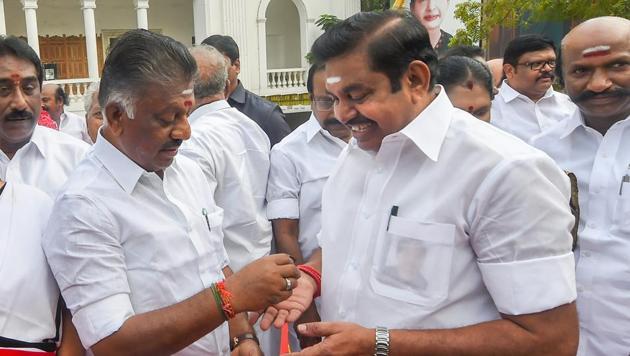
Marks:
<point>360,119</point>
<point>19,115</point>
<point>586,95</point>
<point>332,121</point>
<point>173,144</point>
<point>545,75</point>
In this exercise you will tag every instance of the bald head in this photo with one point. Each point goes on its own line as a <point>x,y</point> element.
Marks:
<point>496,67</point>
<point>212,73</point>
<point>596,69</point>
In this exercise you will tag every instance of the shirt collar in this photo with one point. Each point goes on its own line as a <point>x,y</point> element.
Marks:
<point>428,130</point>
<point>508,93</point>
<point>312,127</point>
<point>238,94</point>
<point>208,108</point>
<point>125,171</point>
<point>38,140</point>
<point>573,122</point>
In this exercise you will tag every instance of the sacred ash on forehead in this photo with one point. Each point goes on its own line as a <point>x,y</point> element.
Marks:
<point>187,92</point>
<point>596,51</point>
<point>333,80</point>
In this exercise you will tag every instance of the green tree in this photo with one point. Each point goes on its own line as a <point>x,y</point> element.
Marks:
<point>480,18</point>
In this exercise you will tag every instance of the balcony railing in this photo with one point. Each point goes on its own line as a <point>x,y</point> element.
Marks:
<point>285,81</point>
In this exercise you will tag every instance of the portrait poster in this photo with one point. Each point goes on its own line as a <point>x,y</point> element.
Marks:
<point>437,16</point>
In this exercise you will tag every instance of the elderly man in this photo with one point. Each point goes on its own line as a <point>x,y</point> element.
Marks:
<point>135,240</point>
<point>440,234</point>
<point>300,166</point>
<point>54,99</point>
<point>34,163</point>
<point>526,104</point>
<point>595,144</point>
<point>30,154</point>
<point>93,115</point>
<point>233,153</point>
<point>266,114</point>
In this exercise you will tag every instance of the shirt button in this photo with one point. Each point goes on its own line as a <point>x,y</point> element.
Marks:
<point>580,289</point>
<point>592,225</point>
<point>586,253</point>
<point>353,266</point>
<point>366,214</point>
<point>597,190</point>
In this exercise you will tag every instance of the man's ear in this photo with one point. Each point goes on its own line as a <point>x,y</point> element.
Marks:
<point>509,70</point>
<point>115,115</point>
<point>418,76</point>
<point>237,65</point>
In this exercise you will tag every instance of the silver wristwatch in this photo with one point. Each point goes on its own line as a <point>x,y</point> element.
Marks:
<point>381,348</point>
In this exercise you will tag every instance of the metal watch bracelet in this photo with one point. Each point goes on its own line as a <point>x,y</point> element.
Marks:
<point>381,348</point>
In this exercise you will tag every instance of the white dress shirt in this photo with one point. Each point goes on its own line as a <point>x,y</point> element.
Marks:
<point>300,166</point>
<point>74,125</point>
<point>122,241</point>
<point>233,152</point>
<point>45,162</point>
<point>603,255</point>
<point>482,226</point>
<point>517,114</point>
<point>28,291</point>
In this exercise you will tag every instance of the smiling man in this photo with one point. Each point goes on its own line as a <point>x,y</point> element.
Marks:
<point>440,234</point>
<point>594,143</point>
<point>526,103</point>
<point>135,240</point>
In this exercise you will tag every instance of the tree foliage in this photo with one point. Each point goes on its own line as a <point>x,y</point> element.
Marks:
<point>480,18</point>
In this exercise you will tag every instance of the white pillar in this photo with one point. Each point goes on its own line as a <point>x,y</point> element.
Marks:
<point>201,19</point>
<point>88,7</point>
<point>30,13</point>
<point>142,7</point>
<point>233,13</point>
<point>3,26</point>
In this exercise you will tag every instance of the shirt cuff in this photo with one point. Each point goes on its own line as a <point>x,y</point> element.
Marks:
<point>530,286</point>
<point>99,320</point>
<point>288,208</point>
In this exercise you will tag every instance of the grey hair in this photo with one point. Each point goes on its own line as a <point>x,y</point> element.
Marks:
<point>88,96</point>
<point>140,60</point>
<point>209,83</point>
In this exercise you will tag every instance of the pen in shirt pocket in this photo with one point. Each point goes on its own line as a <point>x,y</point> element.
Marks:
<point>392,212</point>
<point>204,212</point>
<point>625,179</point>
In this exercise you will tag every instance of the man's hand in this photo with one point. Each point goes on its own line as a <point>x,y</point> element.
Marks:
<point>340,338</point>
<point>310,315</point>
<point>262,283</point>
<point>291,309</point>
<point>247,348</point>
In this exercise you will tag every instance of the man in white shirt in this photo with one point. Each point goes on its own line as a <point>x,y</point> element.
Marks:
<point>30,154</point>
<point>300,166</point>
<point>135,240</point>
<point>53,100</point>
<point>526,103</point>
<point>440,234</point>
<point>30,158</point>
<point>233,153</point>
<point>93,114</point>
<point>595,145</point>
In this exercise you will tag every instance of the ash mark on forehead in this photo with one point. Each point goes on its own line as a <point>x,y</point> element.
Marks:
<point>333,80</point>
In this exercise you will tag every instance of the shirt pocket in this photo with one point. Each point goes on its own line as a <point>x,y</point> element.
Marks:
<point>412,261</point>
<point>622,212</point>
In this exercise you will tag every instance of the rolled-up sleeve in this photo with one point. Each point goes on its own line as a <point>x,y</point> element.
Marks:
<point>88,263</point>
<point>520,231</point>
<point>283,188</point>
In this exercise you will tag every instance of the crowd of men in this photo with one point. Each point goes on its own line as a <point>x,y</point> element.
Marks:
<point>425,207</point>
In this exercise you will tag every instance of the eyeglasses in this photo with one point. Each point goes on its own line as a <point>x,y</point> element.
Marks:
<point>538,65</point>
<point>324,104</point>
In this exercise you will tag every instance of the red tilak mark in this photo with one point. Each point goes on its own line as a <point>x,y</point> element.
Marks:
<point>596,53</point>
<point>470,109</point>
<point>16,78</point>
<point>470,84</point>
<point>188,103</point>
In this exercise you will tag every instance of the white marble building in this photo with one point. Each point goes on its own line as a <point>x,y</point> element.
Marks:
<point>273,35</point>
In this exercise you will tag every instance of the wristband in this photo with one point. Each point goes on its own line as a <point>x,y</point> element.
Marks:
<point>236,341</point>
<point>381,347</point>
<point>223,298</point>
<point>313,273</point>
